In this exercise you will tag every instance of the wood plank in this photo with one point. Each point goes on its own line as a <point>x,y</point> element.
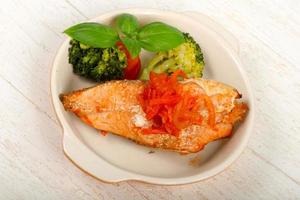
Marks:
<point>275,82</point>
<point>29,42</point>
<point>248,178</point>
<point>33,165</point>
<point>275,23</point>
<point>93,8</point>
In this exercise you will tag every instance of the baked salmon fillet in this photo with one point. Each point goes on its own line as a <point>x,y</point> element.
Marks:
<point>114,107</point>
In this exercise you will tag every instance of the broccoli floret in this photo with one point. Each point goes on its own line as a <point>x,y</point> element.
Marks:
<point>187,56</point>
<point>98,64</point>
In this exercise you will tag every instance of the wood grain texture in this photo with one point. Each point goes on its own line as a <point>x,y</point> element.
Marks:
<point>32,165</point>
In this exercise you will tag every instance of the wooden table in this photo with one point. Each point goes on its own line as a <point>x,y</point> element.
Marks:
<point>32,164</point>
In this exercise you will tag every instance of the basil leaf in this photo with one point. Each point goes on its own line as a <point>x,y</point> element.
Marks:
<point>158,36</point>
<point>127,24</point>
<point>93,34</point>
<point>132,46</point>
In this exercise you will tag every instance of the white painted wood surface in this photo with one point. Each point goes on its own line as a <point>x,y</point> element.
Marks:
<point>32,164</point>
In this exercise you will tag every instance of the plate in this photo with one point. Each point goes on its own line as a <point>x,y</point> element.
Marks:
<point>114,159</point>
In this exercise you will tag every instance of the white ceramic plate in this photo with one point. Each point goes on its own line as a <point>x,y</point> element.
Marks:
<point>112,158</point>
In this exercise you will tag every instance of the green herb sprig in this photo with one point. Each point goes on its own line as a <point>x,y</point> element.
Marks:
<point>154,37</point>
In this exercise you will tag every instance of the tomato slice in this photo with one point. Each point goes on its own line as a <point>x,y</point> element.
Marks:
<point>133,68</point>
<point>104,133</point>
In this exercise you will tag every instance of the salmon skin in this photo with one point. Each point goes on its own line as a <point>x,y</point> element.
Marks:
<point>113,107</point>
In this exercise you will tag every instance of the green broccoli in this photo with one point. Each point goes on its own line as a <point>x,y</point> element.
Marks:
<point>187,56</point>
<point>98,64</point>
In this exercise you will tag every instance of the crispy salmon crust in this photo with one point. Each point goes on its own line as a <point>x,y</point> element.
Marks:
<point>113,107</point>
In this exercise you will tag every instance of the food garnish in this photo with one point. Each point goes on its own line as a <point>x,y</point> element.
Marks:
<point>170,107</point>
<point>97,64</point>
<point>187,57</point>
<point>154,37</point>
<point>94,51</point>
<point>132,70</point>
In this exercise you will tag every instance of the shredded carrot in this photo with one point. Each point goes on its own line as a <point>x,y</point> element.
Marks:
<point>104,133</point>
<point>169,107</point>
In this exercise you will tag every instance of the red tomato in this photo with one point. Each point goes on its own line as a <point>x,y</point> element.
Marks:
<point>133,68</point>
